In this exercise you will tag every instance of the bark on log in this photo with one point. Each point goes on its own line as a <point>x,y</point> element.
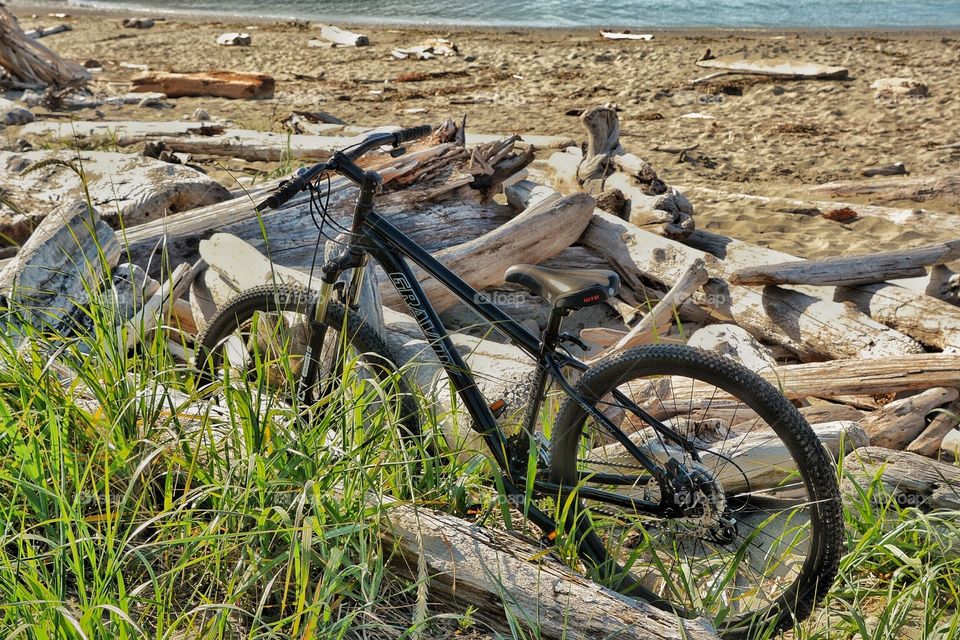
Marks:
<point>929,320</point>
<point>944,420</point>
<point>533,236</point>
<point>218,84</point>
<point>945,187</point>
<point>845,271</point>
<point>897,424</point>
<point>912,480</point>
<point>491,571</point>
<point>30,62</point>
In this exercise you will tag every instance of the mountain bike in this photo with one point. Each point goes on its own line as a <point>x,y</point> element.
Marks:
<point>682,478</point>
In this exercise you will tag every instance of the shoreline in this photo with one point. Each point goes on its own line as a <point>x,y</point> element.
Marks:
<point>202,16</point>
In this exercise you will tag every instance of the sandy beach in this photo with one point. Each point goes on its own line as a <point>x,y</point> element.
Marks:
<point>751,134</point>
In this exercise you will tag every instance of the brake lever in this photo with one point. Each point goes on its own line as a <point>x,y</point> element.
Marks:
<point>397,151</point>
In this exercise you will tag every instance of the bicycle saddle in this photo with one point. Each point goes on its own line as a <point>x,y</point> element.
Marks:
<point>565,288</point>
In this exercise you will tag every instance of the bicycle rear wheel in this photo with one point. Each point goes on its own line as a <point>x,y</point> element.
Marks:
<point>260,338</point>
<point>755,544</point>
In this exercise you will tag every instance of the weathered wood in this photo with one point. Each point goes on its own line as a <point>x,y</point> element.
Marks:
<point>219,84</point>
<point>131,189</point>
<point>929,320</point>
<point>492,573</point>
<point>59,269</point>
<point>735,343</point>
<point>944,187</point>
<point>124,131</point>
<point>911,479</point>
<point>835,380</point>
<point>851,270</point>
<point>342,37</point>
<point>780,67</point>
<point>638,254</point>
<point>897,424</point>
<point>605,166</point>
<point>43,32</point>
<point>146,319</point>
<point>945,419</point>
<point>751,460</point>
<point>618,35</point>
<point>895,169</point>
<point>533,236</point>
<point>811,327</point>
<point>660,318</point>
<point>28,61</point>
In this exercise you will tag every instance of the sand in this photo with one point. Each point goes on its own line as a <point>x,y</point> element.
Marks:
<point>762,136</point>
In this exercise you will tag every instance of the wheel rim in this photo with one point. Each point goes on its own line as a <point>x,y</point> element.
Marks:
<point>739,555</point>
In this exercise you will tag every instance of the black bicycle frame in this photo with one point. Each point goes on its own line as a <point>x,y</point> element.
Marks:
<point>389,246</point>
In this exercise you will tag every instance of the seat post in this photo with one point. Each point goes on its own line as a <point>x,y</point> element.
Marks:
<point>552,330</point>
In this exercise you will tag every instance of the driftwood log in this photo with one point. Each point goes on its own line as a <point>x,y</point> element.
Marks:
<point>533,236</point>
<point>843,271</point>
<point>924,318</point>
<point>31,63</point>
<point>129,189</point>
<point>945,187</point>
<point>777,67</point>
<point>606,166</point>
<point>809,326</point>
<point>218,84</point>
<point>897,424</point>
<point>492,572</point>
<point>912,480</point>
<point>658,321</point>
<point>214,138</point>
<point>342,37</point>
<point>944,420</point>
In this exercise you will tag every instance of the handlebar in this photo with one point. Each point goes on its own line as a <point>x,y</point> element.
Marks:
<point>303,177</point>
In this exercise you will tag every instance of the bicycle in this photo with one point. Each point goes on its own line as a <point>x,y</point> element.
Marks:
<point>686,480</point>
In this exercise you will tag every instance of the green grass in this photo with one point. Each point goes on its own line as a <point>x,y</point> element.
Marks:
<point>131,509</point>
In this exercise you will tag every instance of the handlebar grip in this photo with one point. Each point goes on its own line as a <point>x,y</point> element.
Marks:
<point>283,194</point>
<point>413,133</point>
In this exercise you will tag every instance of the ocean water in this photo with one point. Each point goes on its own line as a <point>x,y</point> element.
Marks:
<point>822,14</point>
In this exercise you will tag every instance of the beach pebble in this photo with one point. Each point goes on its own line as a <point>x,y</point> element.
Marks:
<point>12,113</point>
<point>234,40</point>
<point>138,23</point>
<point>200,116</point>
<point>93,64</point>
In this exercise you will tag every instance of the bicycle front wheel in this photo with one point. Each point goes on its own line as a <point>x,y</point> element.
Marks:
<point>261,338</point>
<point>755,542</point>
